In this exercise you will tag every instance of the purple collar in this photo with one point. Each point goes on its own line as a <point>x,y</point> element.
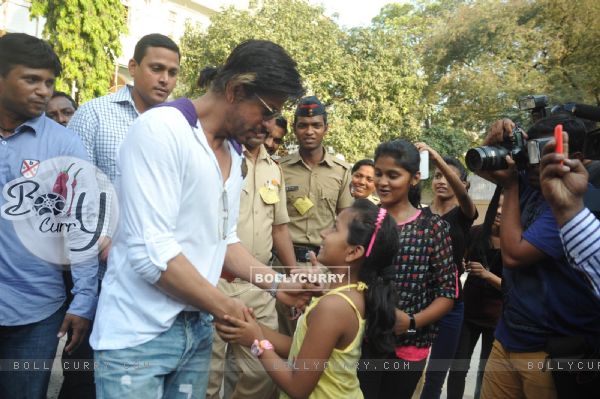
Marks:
<point>186,107</point>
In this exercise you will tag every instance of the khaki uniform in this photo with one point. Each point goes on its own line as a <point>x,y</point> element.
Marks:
<point>262,205</point>
<point>325,186</point>
<point>314,197</point>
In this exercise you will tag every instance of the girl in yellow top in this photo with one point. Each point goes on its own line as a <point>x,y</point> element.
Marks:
<point>323,355</point>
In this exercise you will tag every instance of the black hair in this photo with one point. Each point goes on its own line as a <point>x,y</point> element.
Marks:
<point>261,66</point>
<point>380,297</point>
<point>462,171</point>
<point>153,40</point>
<point>576,127</point>
<point>29,51</point>
<point>282,123</point>
<point>406,156</point>
<point>480,244</point>
<point>362,162</point>
<point>65,95</point>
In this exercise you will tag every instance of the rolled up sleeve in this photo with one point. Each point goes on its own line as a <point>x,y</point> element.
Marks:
<point>150,190</point>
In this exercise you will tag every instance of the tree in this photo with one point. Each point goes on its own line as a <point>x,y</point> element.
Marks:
<point>368,79</point>
<point>481,56</point>
<point>85,34</point>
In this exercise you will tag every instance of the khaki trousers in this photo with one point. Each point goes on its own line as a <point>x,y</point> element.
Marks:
<point>253,381</point>
<point>516,375</point>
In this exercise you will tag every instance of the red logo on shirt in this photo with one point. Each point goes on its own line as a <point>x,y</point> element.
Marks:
<point>29,168</point>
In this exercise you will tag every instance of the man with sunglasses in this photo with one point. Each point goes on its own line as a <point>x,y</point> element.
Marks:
<point>262,226</point>
<point>180,184</point>
<point>316,186</point>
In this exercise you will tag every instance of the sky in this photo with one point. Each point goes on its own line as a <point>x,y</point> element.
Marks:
<point>353,12</point>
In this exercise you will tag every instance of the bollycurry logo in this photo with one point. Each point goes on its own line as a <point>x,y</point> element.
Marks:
<point>60,208</point>
<point>312,279</point>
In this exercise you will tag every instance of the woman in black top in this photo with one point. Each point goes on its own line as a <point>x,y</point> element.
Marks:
<point>482,297</point>
<point>452,202</point>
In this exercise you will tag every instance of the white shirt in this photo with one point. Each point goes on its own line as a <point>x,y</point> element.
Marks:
<point>172,201</point>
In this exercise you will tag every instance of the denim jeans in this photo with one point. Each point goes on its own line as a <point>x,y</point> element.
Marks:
<point>443,351</point>
<point>27,353</point>
<point>175,364</point>
<point>469,336</point>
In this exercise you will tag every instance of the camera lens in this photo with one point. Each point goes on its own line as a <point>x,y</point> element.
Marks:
<point>486,158</point>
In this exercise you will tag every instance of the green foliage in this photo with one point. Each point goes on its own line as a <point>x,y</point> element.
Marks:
<point>85,34</point>
<point>435,70</point>
<point>481,56</point>
<point>367,77</point>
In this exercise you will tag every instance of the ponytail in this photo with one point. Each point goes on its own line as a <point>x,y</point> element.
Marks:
<point>414,195</point>
<point>380,297</point>
<point>207,75</point>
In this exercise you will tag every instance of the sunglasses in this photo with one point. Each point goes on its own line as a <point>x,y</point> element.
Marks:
<point>269,112</point>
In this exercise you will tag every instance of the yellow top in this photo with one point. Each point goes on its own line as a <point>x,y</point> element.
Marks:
<point>262,205</point>
<point>314,195</point>
<point>339,380</point>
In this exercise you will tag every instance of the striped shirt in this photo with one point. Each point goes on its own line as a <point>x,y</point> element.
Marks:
<point>102,124</point>
<point>581,239</point>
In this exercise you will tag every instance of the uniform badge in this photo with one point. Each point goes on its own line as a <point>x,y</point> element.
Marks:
<point>268,193</point>
<point>29,168</point>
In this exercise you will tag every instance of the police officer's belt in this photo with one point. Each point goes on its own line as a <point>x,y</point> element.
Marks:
<point>301,252</point>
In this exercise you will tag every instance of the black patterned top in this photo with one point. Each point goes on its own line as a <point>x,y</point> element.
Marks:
<point>424,270</point>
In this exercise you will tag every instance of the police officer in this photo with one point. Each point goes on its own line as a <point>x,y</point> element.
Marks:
<point>316,182</point>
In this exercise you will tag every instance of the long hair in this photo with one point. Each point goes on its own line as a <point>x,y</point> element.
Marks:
<point>406,156</point>
<point>261,66</point>
<point>380,297</point>
<point>480,244</point>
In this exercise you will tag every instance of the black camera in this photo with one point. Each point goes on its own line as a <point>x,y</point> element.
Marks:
<point>493,157</point>
<point>537,105</point>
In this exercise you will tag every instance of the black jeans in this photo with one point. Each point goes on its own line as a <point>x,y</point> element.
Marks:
<point>460,366</point>
<point>393,379</point>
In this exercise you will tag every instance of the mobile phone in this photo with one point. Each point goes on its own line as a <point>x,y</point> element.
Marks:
<point>424,165</point>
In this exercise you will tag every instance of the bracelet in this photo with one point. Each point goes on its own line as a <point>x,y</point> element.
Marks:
<point>412,326</point>
<point>276,281</point>
<point>259,347</point>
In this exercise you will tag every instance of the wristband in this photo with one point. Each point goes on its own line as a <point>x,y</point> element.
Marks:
<point>412,325</point>
<point>276,281</point>
<point>259,347</point>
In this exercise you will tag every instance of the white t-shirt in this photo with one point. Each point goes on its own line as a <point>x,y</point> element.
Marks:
<point>172,200</point>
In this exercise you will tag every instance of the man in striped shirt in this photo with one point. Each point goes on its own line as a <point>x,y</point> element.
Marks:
<point>564,182</point>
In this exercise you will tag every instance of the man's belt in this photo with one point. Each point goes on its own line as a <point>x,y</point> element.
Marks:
<point>301,252</point>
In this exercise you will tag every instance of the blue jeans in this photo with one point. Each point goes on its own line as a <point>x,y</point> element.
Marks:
<point>469,336</point>
<point>27,353</point>
<point>175,364</point>
<point>443,351</point>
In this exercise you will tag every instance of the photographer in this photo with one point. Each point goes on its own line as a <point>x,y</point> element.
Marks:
<point>547,303</point>
<point>564,181</point>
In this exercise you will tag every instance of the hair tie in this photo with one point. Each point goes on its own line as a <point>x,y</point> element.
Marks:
<point>361,286</point>
<point>380,217</point>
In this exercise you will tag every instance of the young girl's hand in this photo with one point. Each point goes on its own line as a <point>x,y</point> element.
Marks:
<point>242,332</point>
<point>477,269</point>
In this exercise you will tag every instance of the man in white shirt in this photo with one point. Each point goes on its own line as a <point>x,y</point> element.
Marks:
<point>179,185</point>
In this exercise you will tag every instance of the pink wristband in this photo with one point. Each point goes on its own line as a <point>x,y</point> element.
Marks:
<point>259,347</point>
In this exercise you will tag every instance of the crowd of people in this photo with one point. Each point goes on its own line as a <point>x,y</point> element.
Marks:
<point>237,272</point>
